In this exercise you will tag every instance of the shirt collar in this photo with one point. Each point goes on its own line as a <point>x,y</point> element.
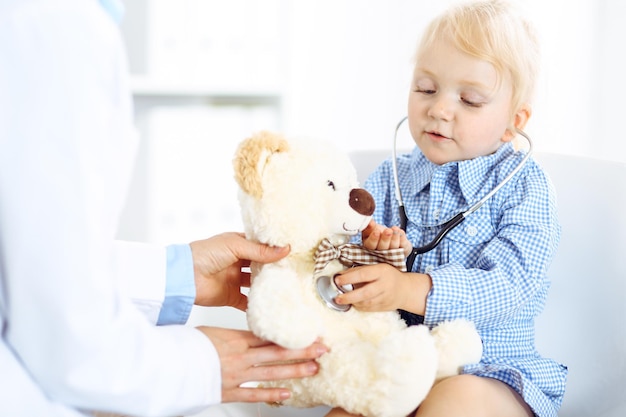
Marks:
<point>475,174</point>
<point>422,170</point>
<point>472,173</point>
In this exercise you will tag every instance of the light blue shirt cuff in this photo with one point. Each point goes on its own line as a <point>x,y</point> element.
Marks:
<point>180,287</point>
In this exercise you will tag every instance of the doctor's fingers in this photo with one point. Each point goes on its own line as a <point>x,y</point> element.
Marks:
<point>262,365</point>
<point>258,252</point>
<point>254,395</point>
<point>271,353</point>
<point>238,374</point>
<point>212,255</point>
<point>242,349</point>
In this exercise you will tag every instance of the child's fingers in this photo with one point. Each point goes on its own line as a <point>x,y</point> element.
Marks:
<point>371,240</point>
<point>403,241</point>
<point>386,240</point>
<point>396,240</point>
<point>379,237</point>
<point>371,234</point>
<point>371,226</point>
<point>397,230</point>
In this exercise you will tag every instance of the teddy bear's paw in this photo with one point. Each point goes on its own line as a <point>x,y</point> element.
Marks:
<point>414,351</point>
<point>458,344</point>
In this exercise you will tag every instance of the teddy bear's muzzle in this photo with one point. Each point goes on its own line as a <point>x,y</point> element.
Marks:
<point>362,201</point>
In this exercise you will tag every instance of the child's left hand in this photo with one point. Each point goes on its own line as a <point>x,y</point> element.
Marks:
<point>378,237</point>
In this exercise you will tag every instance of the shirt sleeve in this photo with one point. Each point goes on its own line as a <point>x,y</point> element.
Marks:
<point>180,289</point>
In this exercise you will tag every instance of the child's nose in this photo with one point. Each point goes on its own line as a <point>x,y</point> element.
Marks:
<point>442,109</point>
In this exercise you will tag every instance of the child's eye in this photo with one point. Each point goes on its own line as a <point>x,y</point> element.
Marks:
<point>471,103</point>
<point>331,185</point>
<point>425,91</point>
<point>472,99</point>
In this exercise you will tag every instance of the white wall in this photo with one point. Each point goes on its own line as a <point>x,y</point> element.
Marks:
<point>344,65</point>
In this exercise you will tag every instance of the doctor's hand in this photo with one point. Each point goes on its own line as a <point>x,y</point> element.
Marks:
<point>382,287</point>
<point>217,264</point>
<point>246,358</point>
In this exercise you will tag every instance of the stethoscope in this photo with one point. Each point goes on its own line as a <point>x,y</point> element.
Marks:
<point>326,286</point>
<point>447,226</point>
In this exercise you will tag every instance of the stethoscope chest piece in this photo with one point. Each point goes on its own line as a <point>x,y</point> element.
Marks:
<point>328,289</point>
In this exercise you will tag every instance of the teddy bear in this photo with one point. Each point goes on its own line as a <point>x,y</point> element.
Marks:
<point>304,193</point>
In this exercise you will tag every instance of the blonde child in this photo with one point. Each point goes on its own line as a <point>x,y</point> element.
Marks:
<point>475,71</point>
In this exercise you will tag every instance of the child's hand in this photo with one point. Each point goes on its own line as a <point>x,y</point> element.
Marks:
<point>382,287</point>
<point>378,237</point>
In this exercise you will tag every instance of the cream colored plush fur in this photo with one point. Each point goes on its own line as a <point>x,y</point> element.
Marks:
<point>297,193</point>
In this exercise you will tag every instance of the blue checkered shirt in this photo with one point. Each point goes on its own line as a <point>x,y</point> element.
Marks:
<point>491,269</point>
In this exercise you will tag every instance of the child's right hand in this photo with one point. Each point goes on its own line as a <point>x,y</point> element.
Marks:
<point>378,237</point>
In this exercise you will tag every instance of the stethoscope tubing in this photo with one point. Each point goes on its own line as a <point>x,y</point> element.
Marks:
<point>460,217</point>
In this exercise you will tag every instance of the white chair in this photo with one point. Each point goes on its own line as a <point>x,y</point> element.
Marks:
<point>583,325</point>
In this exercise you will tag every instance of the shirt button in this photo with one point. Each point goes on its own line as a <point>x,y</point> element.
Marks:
<point>471,230</point>
<point>436,214</point>
<point>429,269</point>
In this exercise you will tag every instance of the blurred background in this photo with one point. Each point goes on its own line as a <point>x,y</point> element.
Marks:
<point>208,73</point>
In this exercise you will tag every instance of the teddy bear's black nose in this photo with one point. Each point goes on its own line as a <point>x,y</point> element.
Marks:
<point>362,202</point>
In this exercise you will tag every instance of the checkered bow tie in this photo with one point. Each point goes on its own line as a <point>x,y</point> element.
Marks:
<point>350,254</point>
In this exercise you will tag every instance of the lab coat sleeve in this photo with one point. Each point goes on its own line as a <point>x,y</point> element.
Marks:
<point>139,268</point>
<point>65,153</point>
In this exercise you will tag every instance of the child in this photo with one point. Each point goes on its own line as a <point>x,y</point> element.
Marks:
<point>475,70</point>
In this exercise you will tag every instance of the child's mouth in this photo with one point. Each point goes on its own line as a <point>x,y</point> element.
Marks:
<point>437,136</point>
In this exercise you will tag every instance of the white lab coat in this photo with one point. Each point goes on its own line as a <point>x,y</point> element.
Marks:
<point>71,338</point>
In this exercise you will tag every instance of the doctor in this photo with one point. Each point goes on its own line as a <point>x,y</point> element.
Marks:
<point>71,339</point>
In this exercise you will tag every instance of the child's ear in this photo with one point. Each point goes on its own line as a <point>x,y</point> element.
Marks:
<point>519,122</point>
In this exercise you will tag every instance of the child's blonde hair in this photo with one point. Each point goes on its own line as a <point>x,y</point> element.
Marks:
<point>492,30</point>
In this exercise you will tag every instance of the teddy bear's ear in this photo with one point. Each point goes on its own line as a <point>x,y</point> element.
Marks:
<point>252,156</point>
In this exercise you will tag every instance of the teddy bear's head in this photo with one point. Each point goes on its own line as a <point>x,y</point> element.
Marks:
<point>297,192</point>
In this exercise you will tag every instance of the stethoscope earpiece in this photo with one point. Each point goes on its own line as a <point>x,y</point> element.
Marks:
<point>328,289</point>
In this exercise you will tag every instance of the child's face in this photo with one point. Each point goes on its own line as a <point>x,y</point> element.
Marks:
<point>458,109</point>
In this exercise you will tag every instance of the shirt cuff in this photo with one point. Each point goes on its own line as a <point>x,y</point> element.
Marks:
<point>450,296</point>
<point>180,287</point>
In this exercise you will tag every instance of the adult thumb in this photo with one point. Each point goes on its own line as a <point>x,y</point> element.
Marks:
<point>262,253</point>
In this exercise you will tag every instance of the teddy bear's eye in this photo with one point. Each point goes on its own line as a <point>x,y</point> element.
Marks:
<point>331,184</point>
